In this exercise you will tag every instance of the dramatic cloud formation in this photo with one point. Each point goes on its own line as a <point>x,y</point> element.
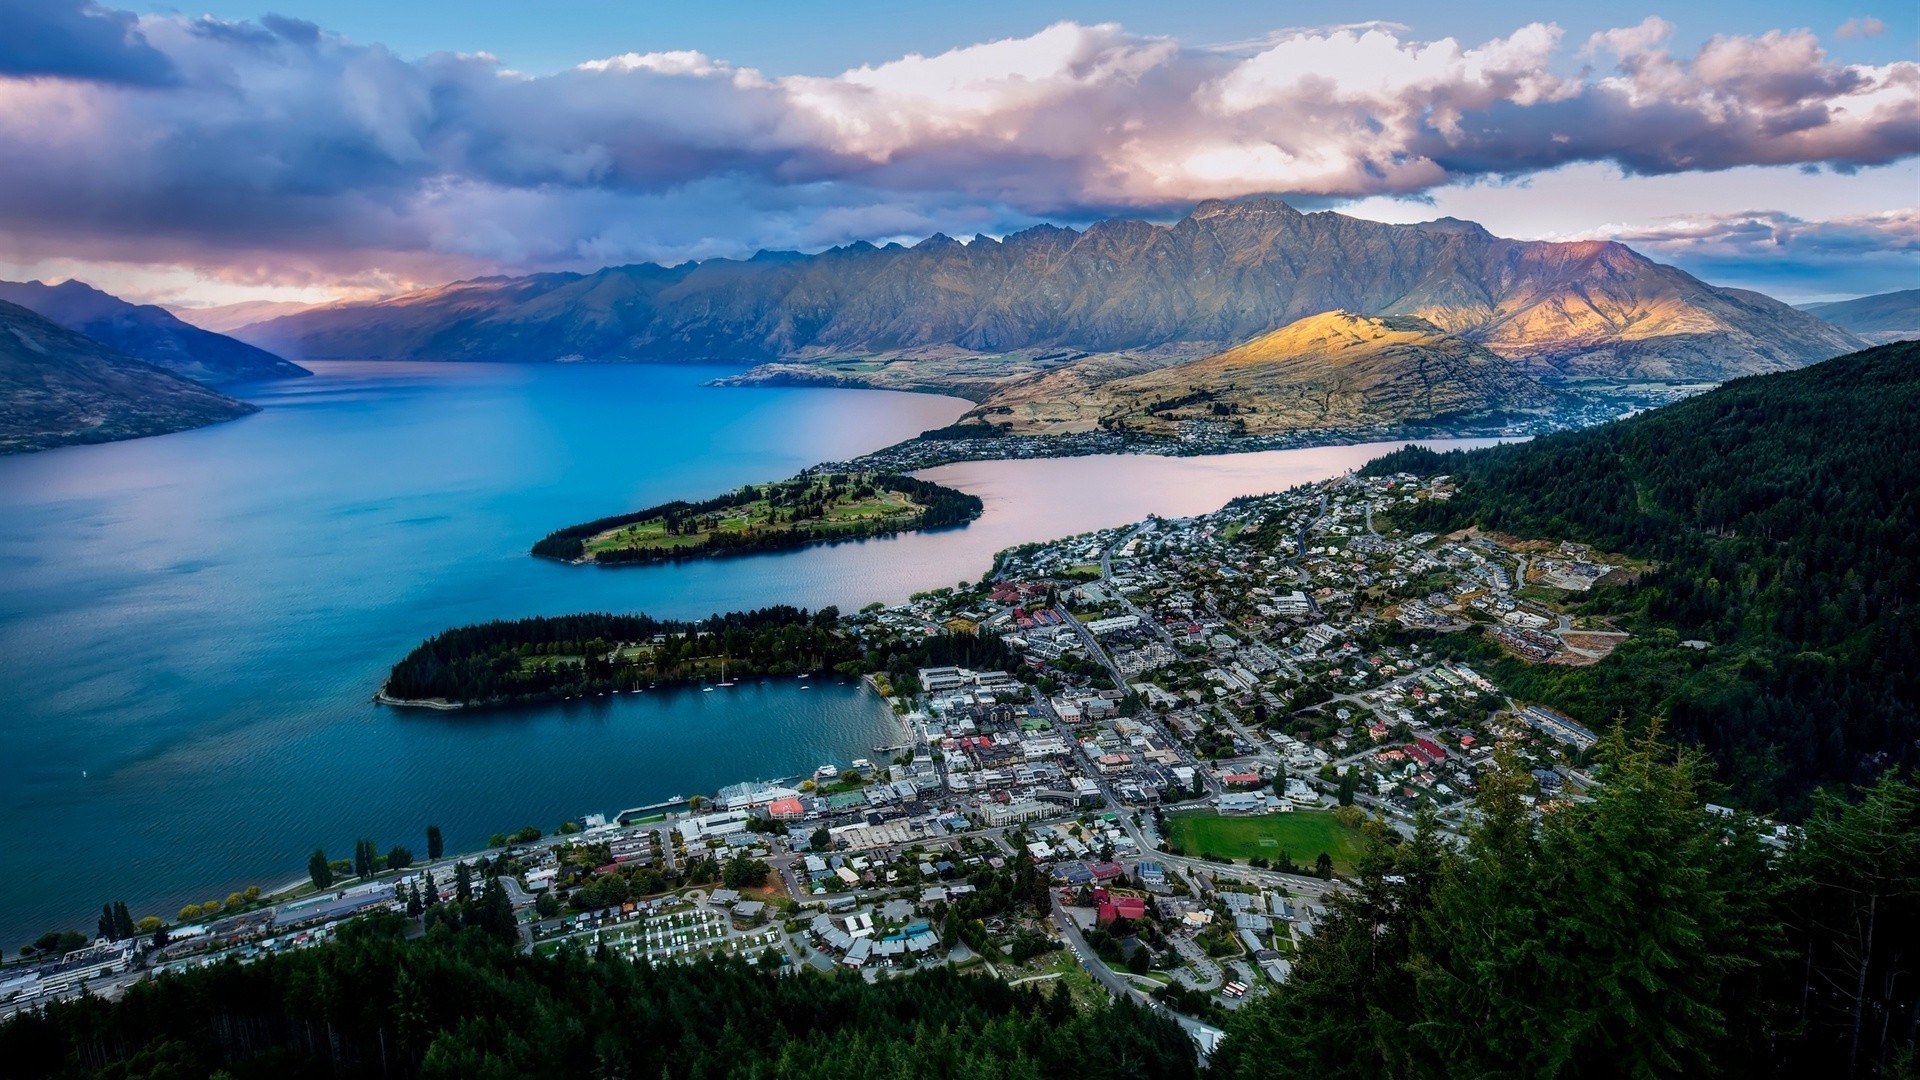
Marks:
<point>279,150</point>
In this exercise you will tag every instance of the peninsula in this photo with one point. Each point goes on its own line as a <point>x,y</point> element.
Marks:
<point>812,508</point>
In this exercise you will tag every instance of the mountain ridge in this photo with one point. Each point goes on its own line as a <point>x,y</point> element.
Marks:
<point>1880,318</point>
<point>59,387</point>
<point>150,333</point>
<point>1225,273</point>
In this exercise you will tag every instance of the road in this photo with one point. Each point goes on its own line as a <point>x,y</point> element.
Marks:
<point>1206,1035</point>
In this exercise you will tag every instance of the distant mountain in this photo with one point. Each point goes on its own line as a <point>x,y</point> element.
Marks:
<point>1332,371</point>
<point>226,318</point>
<point>149,333</point>
<point>1885,317</point>
<point>59,387</point>
<point>1224,274</point>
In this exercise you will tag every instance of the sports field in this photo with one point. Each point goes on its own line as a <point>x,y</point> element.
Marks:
<point>1303,835</point>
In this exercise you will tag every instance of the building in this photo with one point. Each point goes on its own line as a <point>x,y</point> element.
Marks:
<point>726,823</point>
<point>786,810</point>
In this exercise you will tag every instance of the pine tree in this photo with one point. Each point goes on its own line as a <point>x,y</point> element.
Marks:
<point>320,870</point>
<point>435,846</point>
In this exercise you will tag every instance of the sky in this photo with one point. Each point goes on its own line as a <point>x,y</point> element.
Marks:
<point>313,150</point>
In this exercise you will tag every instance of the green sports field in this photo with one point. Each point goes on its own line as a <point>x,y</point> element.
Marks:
<point>1303,834</point>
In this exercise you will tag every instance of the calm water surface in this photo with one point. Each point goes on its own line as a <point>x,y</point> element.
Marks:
<point>191,626</point>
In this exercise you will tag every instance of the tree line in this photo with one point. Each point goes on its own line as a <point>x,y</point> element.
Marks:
<point>575,654</point>
<point>462,1003</point>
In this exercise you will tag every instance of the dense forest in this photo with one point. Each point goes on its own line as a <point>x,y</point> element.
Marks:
<point>1636,934</point>
<point>541,658</point>
<point>461,1005</point>
<point>1782,513</point>
<point>802,504</point>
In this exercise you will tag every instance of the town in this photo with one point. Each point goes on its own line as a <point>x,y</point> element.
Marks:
<point>1205,719</point>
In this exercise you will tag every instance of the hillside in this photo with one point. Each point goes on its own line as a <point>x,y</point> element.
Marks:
<point>1222,275</point>
<point>58,387</point>
<point>149,333</point>
<point>1884,317</point>
<point>226,318</point>
<point>1783,512</point>
<point>1332,371</point>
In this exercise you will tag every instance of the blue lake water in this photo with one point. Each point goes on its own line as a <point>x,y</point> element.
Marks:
<point>191,626</point>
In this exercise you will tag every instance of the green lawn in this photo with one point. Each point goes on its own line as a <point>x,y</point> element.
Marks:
<point>1303,834</point>
<point>842,512</point>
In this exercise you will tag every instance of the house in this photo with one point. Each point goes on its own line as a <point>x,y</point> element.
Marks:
<point>786,810</point>
<point>1131,908</point>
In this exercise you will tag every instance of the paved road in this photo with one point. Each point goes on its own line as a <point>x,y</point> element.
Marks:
<point>1206,1035</point>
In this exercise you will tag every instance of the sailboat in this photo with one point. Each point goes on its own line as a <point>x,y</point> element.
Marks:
<point>723,673</point>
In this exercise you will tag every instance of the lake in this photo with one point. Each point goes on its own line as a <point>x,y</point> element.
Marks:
<point>193,624</point>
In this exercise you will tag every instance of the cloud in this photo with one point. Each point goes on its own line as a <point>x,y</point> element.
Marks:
<point>1862,27</point>
<point>257,144</point>
<point>77,40</point>
<point>1841,256</point>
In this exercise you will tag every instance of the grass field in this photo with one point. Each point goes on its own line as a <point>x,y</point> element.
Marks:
<point>1303,835</point>
<point>837,511</point>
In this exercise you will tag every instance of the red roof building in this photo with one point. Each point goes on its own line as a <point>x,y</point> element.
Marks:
<point>1131,908</point>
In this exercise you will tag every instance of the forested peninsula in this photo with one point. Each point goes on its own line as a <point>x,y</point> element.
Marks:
<point>543,659</point>
<point>1781,623</point>
<point>812,508</point>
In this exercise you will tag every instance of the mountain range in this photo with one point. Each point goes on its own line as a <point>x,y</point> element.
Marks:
<point>151,333</point>
<point>59,387</point>
<point>1882,318</point>
<point>1224,274</point>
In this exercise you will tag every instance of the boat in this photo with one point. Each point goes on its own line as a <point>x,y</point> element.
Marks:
<point>723,674</point>
<point>894,749</point>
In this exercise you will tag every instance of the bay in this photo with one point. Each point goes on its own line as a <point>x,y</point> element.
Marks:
<point>191,626</point>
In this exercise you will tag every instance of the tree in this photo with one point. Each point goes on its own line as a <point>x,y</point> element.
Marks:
<point>60,942</point>
<point>494,913</point>
<point>1324,866</point>
<point>430,895</point>
<point>821,839</point>
<point>320,870</point>
<point>435,846</point>
<point>546,905</point>
<point>1631,926</point>
<point>414,906</point>
<point>1854,907</point>
<point>744,873</point>
<point>399,858</point>
<point>462,883</point>
<point>1349,784</point>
